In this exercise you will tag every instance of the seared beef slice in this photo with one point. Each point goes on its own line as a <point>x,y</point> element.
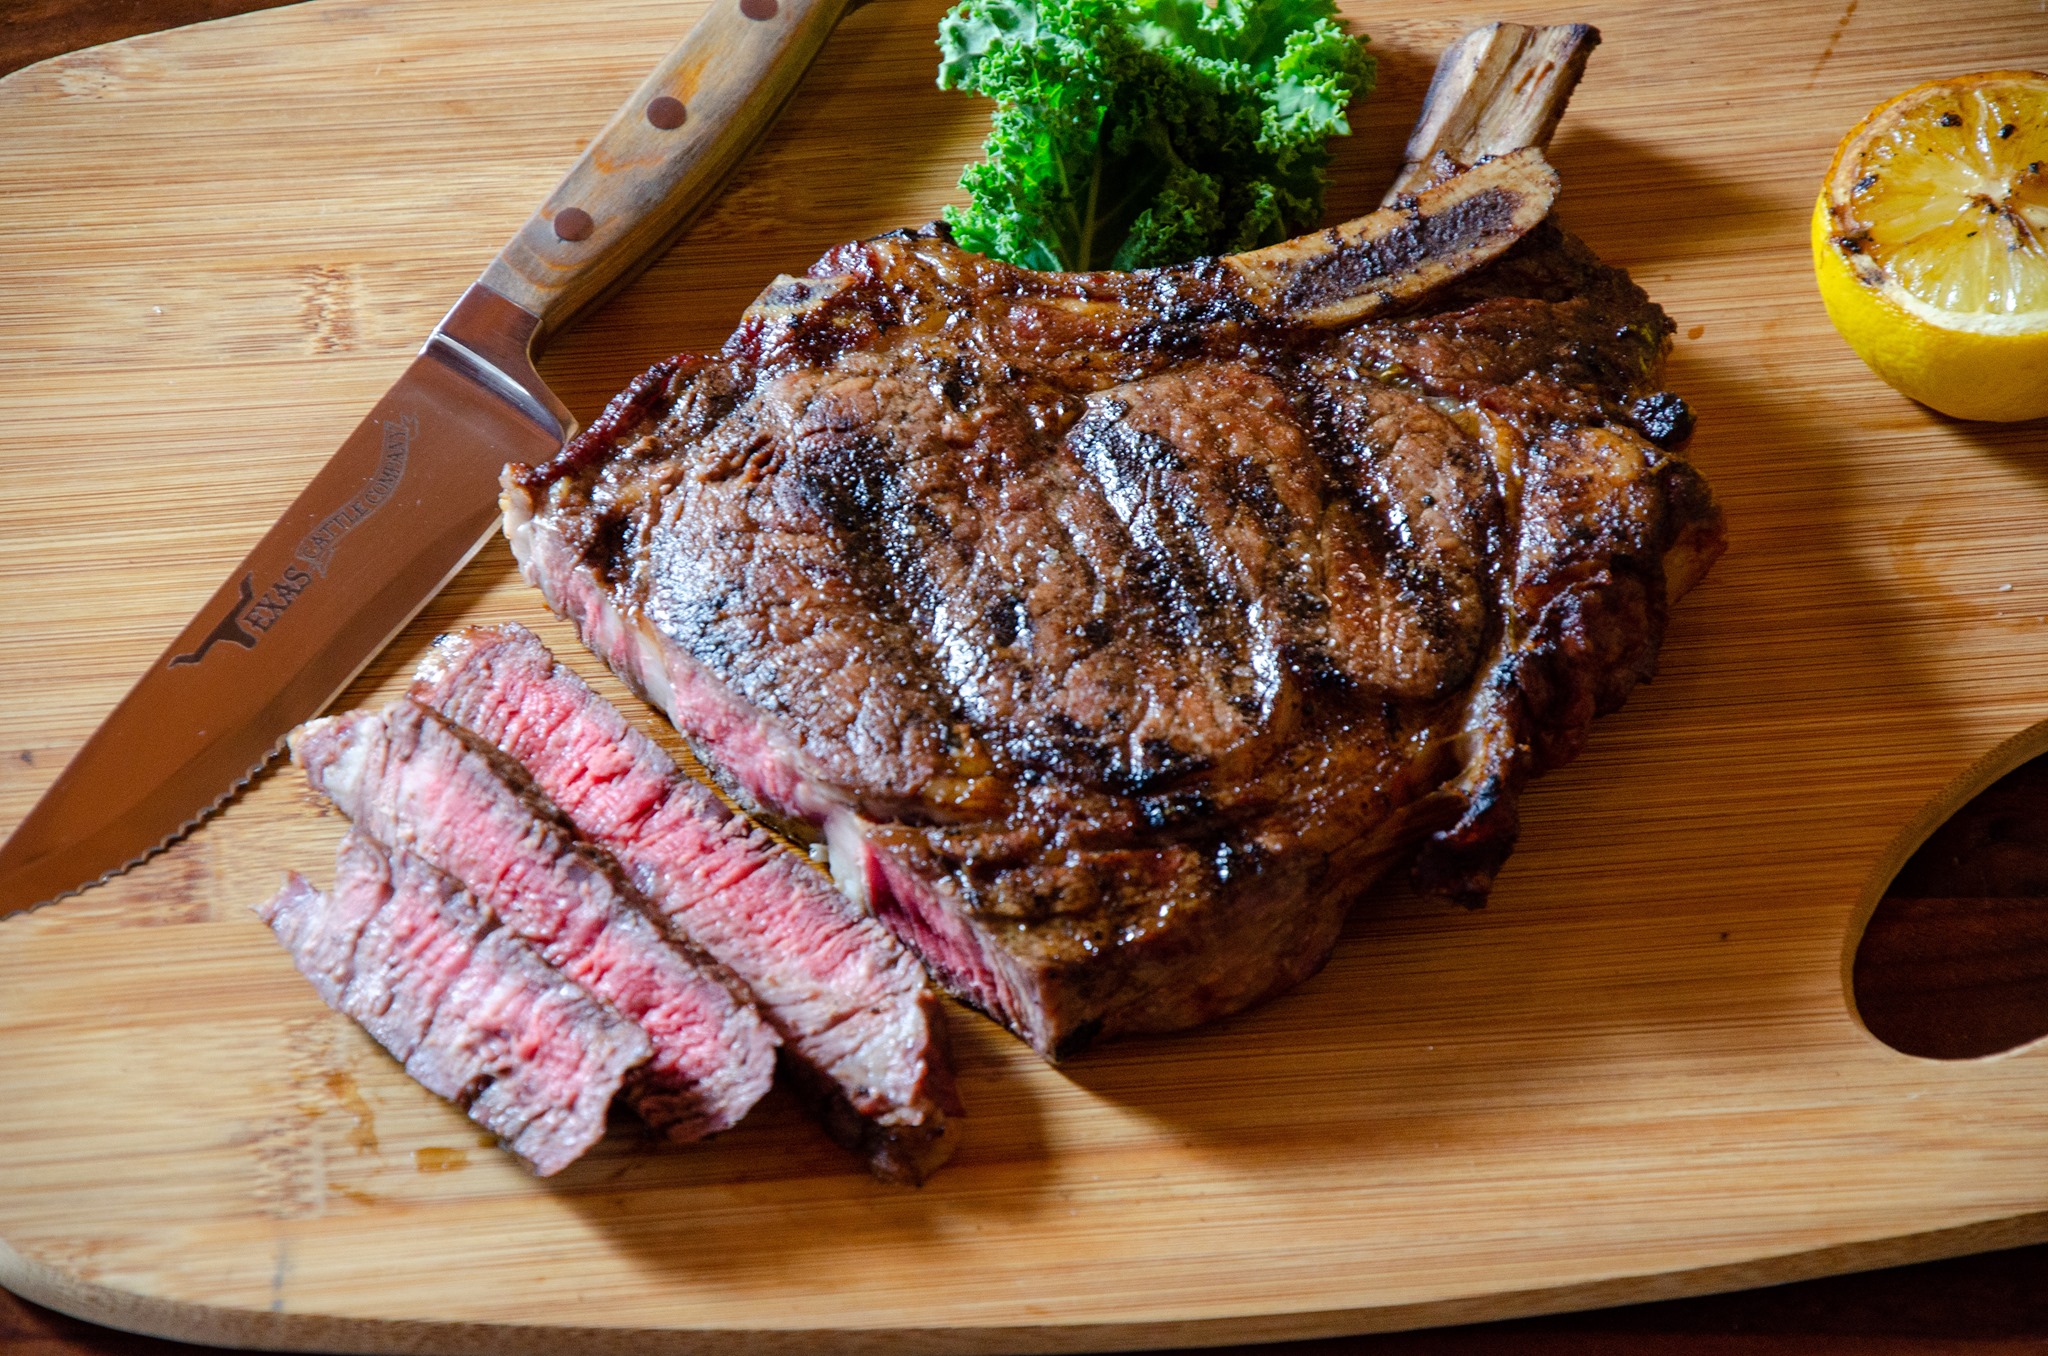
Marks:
<point>472,1011</point>
<point>857,1020</point>
<point>411,780</point>
<point>1117,630</point>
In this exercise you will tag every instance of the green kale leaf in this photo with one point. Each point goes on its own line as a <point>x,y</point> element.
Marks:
<point>1133,133</point>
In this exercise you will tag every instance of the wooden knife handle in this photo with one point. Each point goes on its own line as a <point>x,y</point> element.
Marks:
<point>661,155</point>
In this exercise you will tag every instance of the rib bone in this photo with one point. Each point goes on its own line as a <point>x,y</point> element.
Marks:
<point>1384,260</point>
<point>1398,253</point>
<point>1497,89</point>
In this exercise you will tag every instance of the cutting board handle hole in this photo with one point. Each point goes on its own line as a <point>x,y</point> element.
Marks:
<point>1953,962</point>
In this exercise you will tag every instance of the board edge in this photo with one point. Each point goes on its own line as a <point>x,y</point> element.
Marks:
<point>185,1321</point>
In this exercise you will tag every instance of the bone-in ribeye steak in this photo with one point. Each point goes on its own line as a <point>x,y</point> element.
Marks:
<point>1116,631</point>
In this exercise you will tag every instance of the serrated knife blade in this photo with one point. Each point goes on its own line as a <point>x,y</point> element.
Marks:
<point>412,493</point>
<point>402,506</point>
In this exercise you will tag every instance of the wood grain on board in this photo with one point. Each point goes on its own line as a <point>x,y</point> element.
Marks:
<point>1636,1075</point>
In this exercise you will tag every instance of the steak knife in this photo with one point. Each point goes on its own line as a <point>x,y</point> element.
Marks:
<point>412,493</point>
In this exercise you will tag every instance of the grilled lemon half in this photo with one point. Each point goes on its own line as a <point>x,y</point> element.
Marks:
<point>1930,244</point>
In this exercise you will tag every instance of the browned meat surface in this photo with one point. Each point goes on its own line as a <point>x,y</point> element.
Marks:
<point>411,780</point>
<point>1116,631</point>
<point>860,1027</point>
<point>470,1009</point>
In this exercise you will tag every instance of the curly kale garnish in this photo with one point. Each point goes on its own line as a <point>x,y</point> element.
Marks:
<point>1132,133</point>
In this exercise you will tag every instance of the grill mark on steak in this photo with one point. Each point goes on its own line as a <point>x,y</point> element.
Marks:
<point>411,780</point>
<point>1309,584</point>
<point>1412,553</point>
<point>862,1031</point>
<point>472,1011</point>
<point>1170,590</point>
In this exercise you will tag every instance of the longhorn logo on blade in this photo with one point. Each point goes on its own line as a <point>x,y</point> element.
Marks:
<point>250,616</point>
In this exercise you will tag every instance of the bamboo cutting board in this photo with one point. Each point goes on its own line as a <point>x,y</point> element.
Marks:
<point>1638,1074</point>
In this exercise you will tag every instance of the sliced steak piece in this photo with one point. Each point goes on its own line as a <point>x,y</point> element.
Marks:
<point>471,1010</point>
<point>411,780</point>
<point>1116,631</point>
<point>858,1023</point>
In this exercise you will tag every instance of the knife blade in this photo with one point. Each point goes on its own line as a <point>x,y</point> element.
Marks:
<point>412,493</point>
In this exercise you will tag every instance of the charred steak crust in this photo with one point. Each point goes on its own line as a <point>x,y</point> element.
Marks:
<point>1116,634</point>
<point>861,1030</point>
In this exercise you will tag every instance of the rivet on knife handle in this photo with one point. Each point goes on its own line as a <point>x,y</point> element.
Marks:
<point>660,156</point>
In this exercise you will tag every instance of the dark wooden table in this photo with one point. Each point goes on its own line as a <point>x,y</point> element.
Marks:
<point>1954,965</point>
